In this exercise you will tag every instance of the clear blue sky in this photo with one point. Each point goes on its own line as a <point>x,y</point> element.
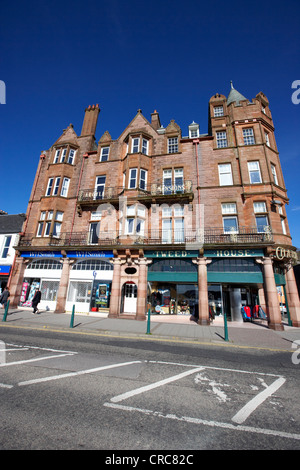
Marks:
<point>58,57</point>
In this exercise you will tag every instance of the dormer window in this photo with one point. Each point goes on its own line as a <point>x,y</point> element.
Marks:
<point>193,130</point>
<point>64,155</point>
<point>173,145</point>
<point>139,144</point>
<point>104,154</point>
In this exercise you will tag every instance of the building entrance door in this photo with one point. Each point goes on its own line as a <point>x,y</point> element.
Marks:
<point>130,297</point>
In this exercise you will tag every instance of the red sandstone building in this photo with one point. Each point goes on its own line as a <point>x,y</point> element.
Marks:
<point>158,220</point>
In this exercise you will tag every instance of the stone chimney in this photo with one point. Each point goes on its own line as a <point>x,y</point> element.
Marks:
<point>155,121</point>
<point>90,120</point>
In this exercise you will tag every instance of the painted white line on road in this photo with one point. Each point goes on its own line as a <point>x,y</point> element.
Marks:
<point>26,361</point>
<point>226,369</point>
<point>146,388</point>
<point>217,424</point>
<point>6,386</point>
<point>74,374</point>
<point>251,406</point>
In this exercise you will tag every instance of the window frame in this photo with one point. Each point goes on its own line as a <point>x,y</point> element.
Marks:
<point>218,111</point>
<point>65,186</point>
<point>131,179</point>
<point>143,180</point>
<point>229,212</point>
<point>49,186</point>
<point>135,147</point>
<point>5,246</point>
<point>248,136</point>
<point>221,140</point>
<point>173,144</point>
<point>252,171</point>
<point>98,185</point>
<point>104,153</point>
<point>274,174</point>
<point>225,174</point>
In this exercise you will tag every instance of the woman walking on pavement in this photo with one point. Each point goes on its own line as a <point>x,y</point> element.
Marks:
<point>36,299</point>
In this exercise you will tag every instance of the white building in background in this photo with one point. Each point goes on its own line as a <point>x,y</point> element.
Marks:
<point>10,228</point>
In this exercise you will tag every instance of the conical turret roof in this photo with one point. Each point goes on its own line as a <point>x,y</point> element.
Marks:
<point>234,96</point>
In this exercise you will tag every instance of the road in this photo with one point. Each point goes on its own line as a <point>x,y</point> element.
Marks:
<point>63,391</point>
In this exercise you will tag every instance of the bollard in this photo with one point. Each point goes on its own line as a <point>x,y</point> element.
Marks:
<point>148,323</point>
<point>225,327</point>
<point>72,317</point>
<point>6,311</point>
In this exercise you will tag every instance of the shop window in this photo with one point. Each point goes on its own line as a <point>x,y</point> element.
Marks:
<point>79,291</point>
<point>172,265</point>
<point>233,264</point>
<point>49,290</point>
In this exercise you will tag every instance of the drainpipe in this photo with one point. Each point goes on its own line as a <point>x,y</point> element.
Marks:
<point>196,142</point>
<point>85,155</point>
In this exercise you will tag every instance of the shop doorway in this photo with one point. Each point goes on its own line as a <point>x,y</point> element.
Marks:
<point>129,297</point>
<point>173,298</point>
<point>230,299</point>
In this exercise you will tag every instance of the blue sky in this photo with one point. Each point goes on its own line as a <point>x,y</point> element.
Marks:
<point>57,58</point>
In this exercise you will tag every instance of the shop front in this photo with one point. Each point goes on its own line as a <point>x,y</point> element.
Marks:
<point>172,282</point>
<point>90,279</point>
<point>234,280</point>
<point>43,272</point>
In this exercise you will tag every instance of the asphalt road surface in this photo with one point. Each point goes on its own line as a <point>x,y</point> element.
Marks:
<point>87,392</point>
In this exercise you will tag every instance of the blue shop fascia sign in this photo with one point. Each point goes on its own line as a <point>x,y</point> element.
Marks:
<point>69,254</point>
<point>4,269</point>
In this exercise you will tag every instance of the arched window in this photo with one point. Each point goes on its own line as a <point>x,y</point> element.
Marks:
<point>93,265</point>
<point>45,263</point>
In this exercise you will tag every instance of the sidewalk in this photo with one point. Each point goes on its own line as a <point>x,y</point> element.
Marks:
<point>162,327</point>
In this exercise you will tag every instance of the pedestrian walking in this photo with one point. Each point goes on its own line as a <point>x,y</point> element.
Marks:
<point>35,301</point>
<point>4,297</point>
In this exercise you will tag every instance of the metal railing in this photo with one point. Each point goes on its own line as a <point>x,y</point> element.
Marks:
<point>153,189</point>
<point>211,236</point>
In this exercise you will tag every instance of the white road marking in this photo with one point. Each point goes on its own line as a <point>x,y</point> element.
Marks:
<point>74,374</point>
<point>251,406</point>
<point>6,386</point>
<point>160,383</point>
<point>217,424</point>
<point>26,361</point>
